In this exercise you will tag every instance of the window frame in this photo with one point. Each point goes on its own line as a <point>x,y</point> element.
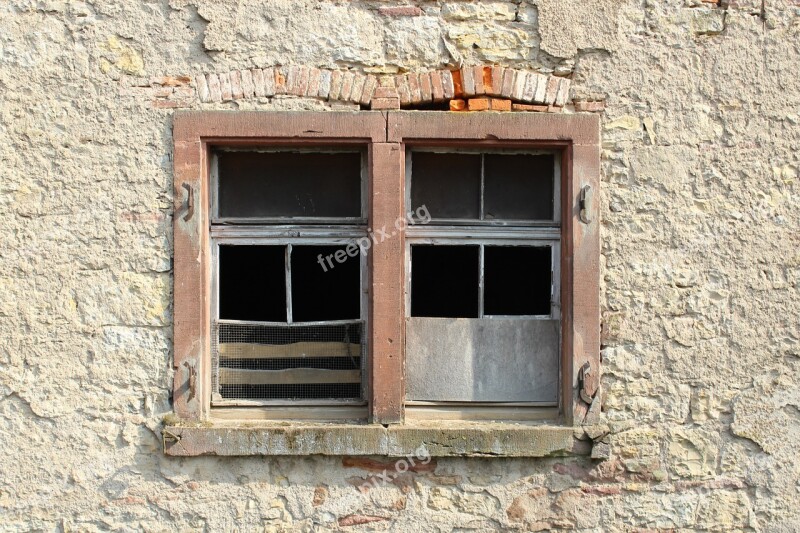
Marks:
<point>386,136</point>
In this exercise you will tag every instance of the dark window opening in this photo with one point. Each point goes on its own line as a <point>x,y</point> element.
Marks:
<point>444,281</point>
<point>322,287</point>
<point>517,280</point>
<point>518,187</point>
<point>252,283</point>
<point>289,184</point>
<point>449,185</point>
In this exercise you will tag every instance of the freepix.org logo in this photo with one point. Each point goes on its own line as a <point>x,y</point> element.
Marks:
<point>401,466</point>
<point>376,236</point>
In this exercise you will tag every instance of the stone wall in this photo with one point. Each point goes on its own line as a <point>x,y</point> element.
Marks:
<point>700,265</point>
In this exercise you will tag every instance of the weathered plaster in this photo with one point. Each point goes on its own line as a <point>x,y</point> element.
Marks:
<point>700,265</point>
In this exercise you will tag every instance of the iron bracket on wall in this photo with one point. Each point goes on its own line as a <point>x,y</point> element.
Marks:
<point>586,204</point>
<point>583,390</point>
<point>189,202</point>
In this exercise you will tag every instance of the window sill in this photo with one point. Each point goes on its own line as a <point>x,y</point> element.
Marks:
<point>441,439</point>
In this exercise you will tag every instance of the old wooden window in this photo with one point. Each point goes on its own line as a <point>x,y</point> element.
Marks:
<point>487,311</point>
<point>288,302</point>
<point>484,280</point>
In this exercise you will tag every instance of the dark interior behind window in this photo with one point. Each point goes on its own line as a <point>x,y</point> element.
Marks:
<point>289,184</point>
<point>517,280</point>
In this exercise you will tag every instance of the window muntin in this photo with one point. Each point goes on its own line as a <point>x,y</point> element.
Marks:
<point>287,325</point>
<point>483,298</point>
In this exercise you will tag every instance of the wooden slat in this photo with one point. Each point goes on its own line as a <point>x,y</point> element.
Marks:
<point>290,376</point>
<point>246,350</point>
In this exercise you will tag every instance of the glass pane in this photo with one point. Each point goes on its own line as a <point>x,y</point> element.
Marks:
<point>518,187</point>
<point>289,184</point>
<point>252,283</point>
<point>444,281</point>
<point>517,280</point>
<point>449,185</point>
<point>326,283</point>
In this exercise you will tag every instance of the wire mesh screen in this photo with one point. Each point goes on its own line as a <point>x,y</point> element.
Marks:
<point>287,362</point>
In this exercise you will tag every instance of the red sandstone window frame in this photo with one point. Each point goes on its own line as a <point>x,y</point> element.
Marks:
<point>386,134</point>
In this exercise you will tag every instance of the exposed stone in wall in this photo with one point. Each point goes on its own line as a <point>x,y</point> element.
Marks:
<point>700,264</point>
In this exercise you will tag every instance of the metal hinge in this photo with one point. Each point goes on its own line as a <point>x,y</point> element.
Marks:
<point>189,202</point>
<point>586,204</point>
<point>192,380</point>
<point>583,391</point>
<point>167,435</point>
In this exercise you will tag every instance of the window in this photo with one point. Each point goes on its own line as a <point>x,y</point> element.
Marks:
<point>288,321</point>
<point>309,285</point>
<point>484,298</point>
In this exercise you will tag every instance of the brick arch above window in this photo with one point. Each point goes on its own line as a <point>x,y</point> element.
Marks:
<point>472,88</point>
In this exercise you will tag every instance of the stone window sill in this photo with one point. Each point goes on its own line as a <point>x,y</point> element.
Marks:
<point>440,439</point>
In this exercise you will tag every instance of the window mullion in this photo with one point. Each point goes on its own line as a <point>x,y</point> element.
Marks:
<point>289,283</point>
<point>483,186</point>
<point>481,282</point>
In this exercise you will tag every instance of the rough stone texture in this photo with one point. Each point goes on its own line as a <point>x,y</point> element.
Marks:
<point>700,263</point>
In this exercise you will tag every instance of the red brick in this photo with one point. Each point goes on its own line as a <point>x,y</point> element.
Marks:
<point>400,11</point>
<point>468,81</point>
<point>170,104</point>
<point>487,80</point>
<point>477,74</point>
<point>236,85</point>
<point>359,519</point>
<point>437,90</point>
<point>497,81</point>
<point>347,86</point>
<point>478,104</point>
<point>312,89</point>
<point>170,81</point>
<point>562,96</point>
<point>402,90</point>
<point>508,83</point>
<point>385,92</point>
<point>214,89</point>
<point>358,87</point>
<point>258,82</point>
<point>369,89</point>
<point>248,87</point>
<point>301,82</point>
<point>425,88</point>
<point>552,90</point>
<point>281,74</point>
<point>589,107</point>
<point>519,84</point>
<point>451,83</point>
<point>413,87</point>
<point>529,92</point>
<point>385,103</point>
<point>528,107</point>
<point>499,104</point>
<point>458,105</point>
<point>225,86</point>
<point>161,92</point>
<point>269,81</point>
<point>202,88</point>
<point>541,88</point>
<point>336,85</point>
<point>373,465</point>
